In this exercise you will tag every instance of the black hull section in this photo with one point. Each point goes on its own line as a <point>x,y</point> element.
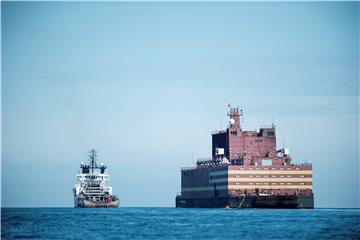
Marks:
<point>277,202</point>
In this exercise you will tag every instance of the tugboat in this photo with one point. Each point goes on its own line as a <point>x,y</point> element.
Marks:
<point>90,190</point>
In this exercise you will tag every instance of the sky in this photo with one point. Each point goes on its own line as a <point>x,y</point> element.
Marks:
<point>145,84</point>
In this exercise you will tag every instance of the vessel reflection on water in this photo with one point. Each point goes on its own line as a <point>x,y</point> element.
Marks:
<point>246,171</point>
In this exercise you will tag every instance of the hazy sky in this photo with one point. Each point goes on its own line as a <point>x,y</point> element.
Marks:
<point>146,83</point>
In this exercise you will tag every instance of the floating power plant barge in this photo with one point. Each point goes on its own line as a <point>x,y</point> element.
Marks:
<point>246,171</point>
<point>91,190</point>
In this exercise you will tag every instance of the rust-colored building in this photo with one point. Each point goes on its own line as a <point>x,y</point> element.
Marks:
<point>246,170</point>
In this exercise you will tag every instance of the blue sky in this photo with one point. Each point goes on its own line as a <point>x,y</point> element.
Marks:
<point>146,83</point>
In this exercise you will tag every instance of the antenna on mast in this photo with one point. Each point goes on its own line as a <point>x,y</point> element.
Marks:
<point>242,116</point>
<point>92,159</point>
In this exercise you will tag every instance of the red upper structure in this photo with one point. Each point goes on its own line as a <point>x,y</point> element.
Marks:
<point>247,147</point>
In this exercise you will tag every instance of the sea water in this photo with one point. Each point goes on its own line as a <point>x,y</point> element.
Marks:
<point>173,223</point>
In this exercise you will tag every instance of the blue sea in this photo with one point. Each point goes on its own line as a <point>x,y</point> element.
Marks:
<point>173,223</point>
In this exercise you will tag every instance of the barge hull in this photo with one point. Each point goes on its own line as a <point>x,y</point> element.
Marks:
<point>286,202</point>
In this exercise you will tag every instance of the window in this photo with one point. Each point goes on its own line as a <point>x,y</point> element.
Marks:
<point>271,134</point>
<point>234,133</point>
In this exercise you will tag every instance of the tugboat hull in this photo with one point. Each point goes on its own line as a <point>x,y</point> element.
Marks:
<point>88,204</point>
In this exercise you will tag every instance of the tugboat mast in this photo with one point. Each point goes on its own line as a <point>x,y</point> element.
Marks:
<point>92,159</point>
